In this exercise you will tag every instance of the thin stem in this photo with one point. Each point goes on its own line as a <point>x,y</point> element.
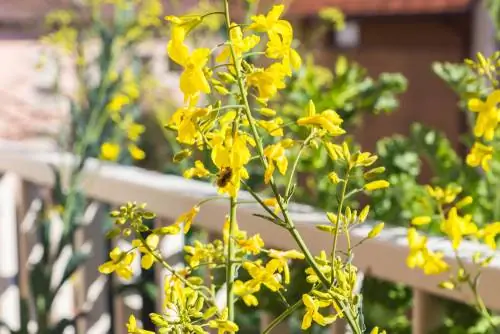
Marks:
<point>295,164</point>
<point>231,106</point>
<point>339,213</point>
<point>282,317</point>
<point>259,200</point>
<point>230,272</point>
<point>211,13</point>
<point>250,54</point>
<point>481,307</point>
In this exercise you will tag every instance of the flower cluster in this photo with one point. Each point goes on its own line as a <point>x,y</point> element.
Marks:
<point>456,227</point>
<point>487,110</point>
<point>227,125</point>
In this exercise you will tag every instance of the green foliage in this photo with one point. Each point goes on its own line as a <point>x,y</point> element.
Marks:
<point>347,88</point>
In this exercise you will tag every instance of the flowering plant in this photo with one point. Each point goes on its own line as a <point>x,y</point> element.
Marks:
<point>231,130</point>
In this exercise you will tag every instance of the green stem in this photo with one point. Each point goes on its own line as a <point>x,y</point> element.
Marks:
<point>295,164</point>
<point>282,317</point>
<point>259,200</point>
<point>230,272</point>
<point>291,226</point>
<point>481,307</point>
<point>337,224</point>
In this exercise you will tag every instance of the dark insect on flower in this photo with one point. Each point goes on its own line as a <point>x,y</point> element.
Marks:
<point>224,177</point>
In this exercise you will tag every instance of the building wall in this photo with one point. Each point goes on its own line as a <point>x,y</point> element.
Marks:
<point>409,45</point>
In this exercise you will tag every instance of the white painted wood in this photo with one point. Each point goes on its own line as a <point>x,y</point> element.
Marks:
<point>169,196</point>
<point>9,292</point>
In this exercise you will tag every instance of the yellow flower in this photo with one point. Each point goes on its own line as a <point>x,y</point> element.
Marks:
<point>312,312</point>
<point>434,263</point>
<point>480,154</point>
<point>447,195</point>
<point>336,152</point>
<point>252,245</point>
<point>421,257</point>
<point>240,44</point>
<point>271,22</point>
<point>132,327</point>
<point>273,202</point>
<point>375,231</point>
<point>130,86</point>
<point>185,119</point>
<point>379,184</point>
<point>487,120</point>
<point>375,330</point>
<point>120,263</point>
<point>363,159</point>
<point>467,200</point>
<point>148,259</point>
<point>223,324</point>
<point>456,227</point>
<point>135,152</point>
<point>187,218</point>
<point>192,80</point>
<point>134,131</point>
<point>182,26</point>
<point>263,275</point>
<point>110,151</point>
<point>489,234</point>
<point>279,46</point>
<point>199,253</point>
<point>267,112</point>
<point>246,293</point>
<point>198,170</point>
<point>283,257</point>
<point>230,154</point>
<point>421,220</point>
<point>328,120</point>
<point>418,249</point>
<point>273,127</point>
<point>268,81</point>
<point>276,155</point>
<point>118,102</point>
<point>231,151</point>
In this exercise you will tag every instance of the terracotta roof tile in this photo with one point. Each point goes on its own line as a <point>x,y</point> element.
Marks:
<point>380,7</point>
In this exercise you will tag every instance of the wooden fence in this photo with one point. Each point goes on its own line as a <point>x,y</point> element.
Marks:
<point>25,173</point>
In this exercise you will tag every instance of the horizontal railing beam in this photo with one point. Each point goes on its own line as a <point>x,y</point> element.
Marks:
<point>169,196</point>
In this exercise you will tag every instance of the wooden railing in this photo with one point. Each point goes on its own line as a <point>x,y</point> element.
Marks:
<point>26,172</point>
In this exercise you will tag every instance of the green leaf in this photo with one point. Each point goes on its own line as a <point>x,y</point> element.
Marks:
<point>40,276</point>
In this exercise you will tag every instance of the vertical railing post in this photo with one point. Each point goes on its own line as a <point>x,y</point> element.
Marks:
<point>9,293</point>
<point>426,313</point>
<point>22,204</point>
<point>91,290</point>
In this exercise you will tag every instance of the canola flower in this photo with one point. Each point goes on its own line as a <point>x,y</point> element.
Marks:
<point>233,135</point>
